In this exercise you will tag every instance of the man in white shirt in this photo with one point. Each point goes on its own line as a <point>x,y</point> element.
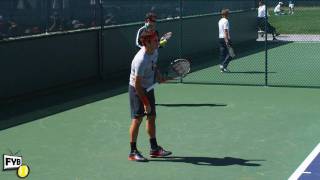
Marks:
<point>224,40</point>
<point>291,6</point>
<point>150,24</point>
<point>261,21</point>
<point>261,15</point>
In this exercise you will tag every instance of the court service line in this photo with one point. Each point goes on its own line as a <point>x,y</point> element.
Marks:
<point>300,170</point>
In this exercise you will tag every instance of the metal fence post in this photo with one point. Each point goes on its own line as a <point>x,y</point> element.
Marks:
<point>266,43</point>
<point>101,39</point>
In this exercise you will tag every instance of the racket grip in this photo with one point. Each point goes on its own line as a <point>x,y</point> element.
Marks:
<point>151,87</point>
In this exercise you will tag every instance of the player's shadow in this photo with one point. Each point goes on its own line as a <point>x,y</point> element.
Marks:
<point>210,161</point>
<point>191,105</point>
<point>249,72</point>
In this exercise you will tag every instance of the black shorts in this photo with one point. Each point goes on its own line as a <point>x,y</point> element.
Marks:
<point>136,105</point>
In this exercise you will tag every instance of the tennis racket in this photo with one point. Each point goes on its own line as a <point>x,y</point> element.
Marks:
<point>166,36</point>
<point>178,68</point>
<point>231,51</point>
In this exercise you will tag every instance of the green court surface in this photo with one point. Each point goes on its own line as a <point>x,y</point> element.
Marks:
<point>215,132</point>
<point>289,64</point>
<point>304,21</point>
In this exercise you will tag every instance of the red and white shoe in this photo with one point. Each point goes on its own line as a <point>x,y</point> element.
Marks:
<point>159,152</point>
<point>136,156</point>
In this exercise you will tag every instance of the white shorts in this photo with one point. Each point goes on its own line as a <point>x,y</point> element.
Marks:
<point>291,5</point>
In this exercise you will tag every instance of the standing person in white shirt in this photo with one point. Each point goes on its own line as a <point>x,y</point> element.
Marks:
<point>261,21</point>
<point>224,40</point>
<point>291,6</point>
<point>150,24</point>
<point>261,15</point>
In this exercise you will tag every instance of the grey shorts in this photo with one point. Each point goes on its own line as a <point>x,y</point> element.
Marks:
<point>136,105</point>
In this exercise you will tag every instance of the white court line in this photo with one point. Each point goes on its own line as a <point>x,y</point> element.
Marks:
<point>305,163</point>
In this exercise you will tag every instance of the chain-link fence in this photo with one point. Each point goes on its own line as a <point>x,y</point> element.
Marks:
<point>284,53</point>
<point>28,17</point>
<point>287,59</point>
<point>295,62</point>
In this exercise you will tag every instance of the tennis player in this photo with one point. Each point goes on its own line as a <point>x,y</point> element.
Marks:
<point>143,72</point>
<point>291,6</point>
<point>224,40</point>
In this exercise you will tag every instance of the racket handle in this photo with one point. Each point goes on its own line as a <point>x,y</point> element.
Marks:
<point>151,87</point>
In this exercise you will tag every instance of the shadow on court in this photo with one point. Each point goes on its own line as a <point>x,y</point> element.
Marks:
<point>36,106</point>
<point>190,105</point>
<point>249,72</point>
<point>210,161</point>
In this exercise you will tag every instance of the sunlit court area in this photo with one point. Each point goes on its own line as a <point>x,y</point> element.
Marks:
<point>224,90</point>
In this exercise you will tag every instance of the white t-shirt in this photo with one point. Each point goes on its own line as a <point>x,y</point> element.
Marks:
<point>262,11</point>
<point>277,9</point>
<point>144,65</point>
<point>223,24</point>
<point>291,5</point>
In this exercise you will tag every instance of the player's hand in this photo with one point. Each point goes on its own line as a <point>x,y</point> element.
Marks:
<point>147,109</point>
<point>228,43</point>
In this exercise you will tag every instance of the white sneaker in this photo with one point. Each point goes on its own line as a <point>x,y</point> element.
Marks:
<point>224,70</point>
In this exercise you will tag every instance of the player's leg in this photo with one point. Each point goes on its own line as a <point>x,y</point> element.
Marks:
<point>150,123</point>
<point>137,113</point>
<point>134,131</point>
<point>228,57</point>
<point>292,9</point>
<point>224,56</point>
<point>156,150</point>
<point>134,154</point>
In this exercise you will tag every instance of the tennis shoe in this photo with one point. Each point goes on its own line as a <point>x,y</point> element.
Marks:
<point>159,152</point>
<point>136,156</point>
<point>224,70</point>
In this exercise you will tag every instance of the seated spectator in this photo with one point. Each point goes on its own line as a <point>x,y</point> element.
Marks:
<point>3,28</point>
<point>13,29</point>
<point>278,10</point>
<point>55,22</point>
<point>76,24</point>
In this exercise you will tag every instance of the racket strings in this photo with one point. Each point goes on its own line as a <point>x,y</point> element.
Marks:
<point>181,68</point>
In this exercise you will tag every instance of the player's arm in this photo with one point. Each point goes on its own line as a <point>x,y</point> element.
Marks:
<point>226,37</point>
<point>141,93</point>
<point>159,76</point>
<point>226,33</point>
